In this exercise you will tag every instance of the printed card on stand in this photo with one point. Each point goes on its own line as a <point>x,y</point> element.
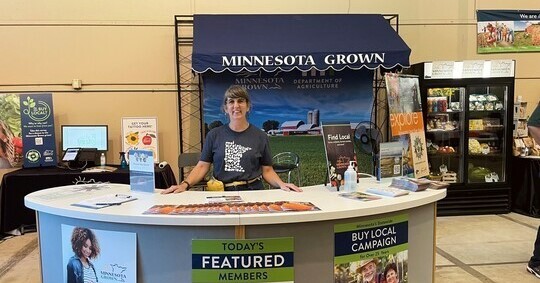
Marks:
<point>390,160</point>
<point>419,154</point>
<point>141,171</point>
<point>140,133</point>
<point>339,149</point>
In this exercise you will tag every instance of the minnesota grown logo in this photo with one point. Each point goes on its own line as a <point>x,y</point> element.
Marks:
<point>33,156</point>
<point>116,273</point>
<point>38,112</point>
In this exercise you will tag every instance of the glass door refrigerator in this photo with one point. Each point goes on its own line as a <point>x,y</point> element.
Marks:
<point>468,127</point>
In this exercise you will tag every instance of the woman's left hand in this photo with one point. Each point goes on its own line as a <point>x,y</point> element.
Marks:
<point>288,187</point>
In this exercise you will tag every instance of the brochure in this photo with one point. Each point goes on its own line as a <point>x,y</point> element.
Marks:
<point>419,154</point>
<point>105,201</point>
<point>339,149</point>
<point>223,199</point>
<point>388,191</point>
<point>141,171</point>
<point>390,160</point>
<point>359,196</point>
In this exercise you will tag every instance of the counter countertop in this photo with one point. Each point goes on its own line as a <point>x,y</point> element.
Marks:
<point>59,200</point>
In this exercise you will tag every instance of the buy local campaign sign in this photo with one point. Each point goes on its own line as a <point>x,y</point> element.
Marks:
<point>255,260</point>
<point>379,242</point>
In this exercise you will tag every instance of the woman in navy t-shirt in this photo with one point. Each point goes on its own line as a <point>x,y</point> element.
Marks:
<point>239,151</point>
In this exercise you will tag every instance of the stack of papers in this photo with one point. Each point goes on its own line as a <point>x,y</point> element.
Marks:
<point>410,184</point>
<point>105,201</point>
<point>415,185</point>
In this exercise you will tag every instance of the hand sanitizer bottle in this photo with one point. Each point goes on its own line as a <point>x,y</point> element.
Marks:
<point>102,159</point>
<point>350,178</point>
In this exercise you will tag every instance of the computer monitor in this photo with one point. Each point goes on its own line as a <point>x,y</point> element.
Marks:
<point>85,136</point>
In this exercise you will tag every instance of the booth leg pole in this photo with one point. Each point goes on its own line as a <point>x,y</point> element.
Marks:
<point>240,232</point>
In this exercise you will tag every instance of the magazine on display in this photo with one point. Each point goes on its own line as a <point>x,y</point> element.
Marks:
<point>419,154</point>
<point>339,148</point>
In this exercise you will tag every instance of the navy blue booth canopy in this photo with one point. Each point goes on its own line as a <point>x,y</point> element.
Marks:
<point>285,42</point>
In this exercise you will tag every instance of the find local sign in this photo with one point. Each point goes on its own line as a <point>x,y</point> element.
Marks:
<point>253,260</point>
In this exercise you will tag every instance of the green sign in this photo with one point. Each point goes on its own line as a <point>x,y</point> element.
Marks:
<point>366,249</point>
<point>254,260</point>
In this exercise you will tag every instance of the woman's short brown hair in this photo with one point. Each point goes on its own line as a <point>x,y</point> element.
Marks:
<point>79,237</point>
<point>390,266</point>
<point>236,91</point>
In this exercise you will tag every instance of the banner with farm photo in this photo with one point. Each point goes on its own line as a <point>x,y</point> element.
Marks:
<point>500,31</point>
<point>289,106</point>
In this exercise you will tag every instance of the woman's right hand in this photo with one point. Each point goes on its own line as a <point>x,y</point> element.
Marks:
<point>175,189</point>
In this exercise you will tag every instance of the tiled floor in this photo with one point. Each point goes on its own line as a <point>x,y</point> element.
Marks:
<point>485,248</point>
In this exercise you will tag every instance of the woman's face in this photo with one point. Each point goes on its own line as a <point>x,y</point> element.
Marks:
<point>391,276</point>
<point>237,108</point>
<point>87,248</point>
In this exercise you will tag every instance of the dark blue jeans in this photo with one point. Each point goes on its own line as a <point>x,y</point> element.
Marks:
<point>535,259</point>
<point>257,185</point>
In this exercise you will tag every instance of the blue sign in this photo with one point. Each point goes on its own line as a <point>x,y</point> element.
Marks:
<point>141,170</point>
<point>37,123</point>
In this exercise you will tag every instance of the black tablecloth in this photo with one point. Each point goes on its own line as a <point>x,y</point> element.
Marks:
<point>526,186</point>
<point>17,184</point>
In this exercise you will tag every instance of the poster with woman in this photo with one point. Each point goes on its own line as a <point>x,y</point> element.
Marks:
<point>91,255</point>
<point>289,107</point>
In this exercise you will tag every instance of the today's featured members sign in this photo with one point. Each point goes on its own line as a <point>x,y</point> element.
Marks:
<point>254,260</point>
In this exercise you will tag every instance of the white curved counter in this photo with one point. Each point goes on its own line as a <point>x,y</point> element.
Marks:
<point>313,231</point>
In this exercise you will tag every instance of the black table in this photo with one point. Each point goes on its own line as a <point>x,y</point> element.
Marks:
<point>526,185</point>
<point>17,184</point>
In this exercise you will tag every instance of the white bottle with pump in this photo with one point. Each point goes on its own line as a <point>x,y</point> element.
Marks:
<point>102,159</point>
<point>350,178</point>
